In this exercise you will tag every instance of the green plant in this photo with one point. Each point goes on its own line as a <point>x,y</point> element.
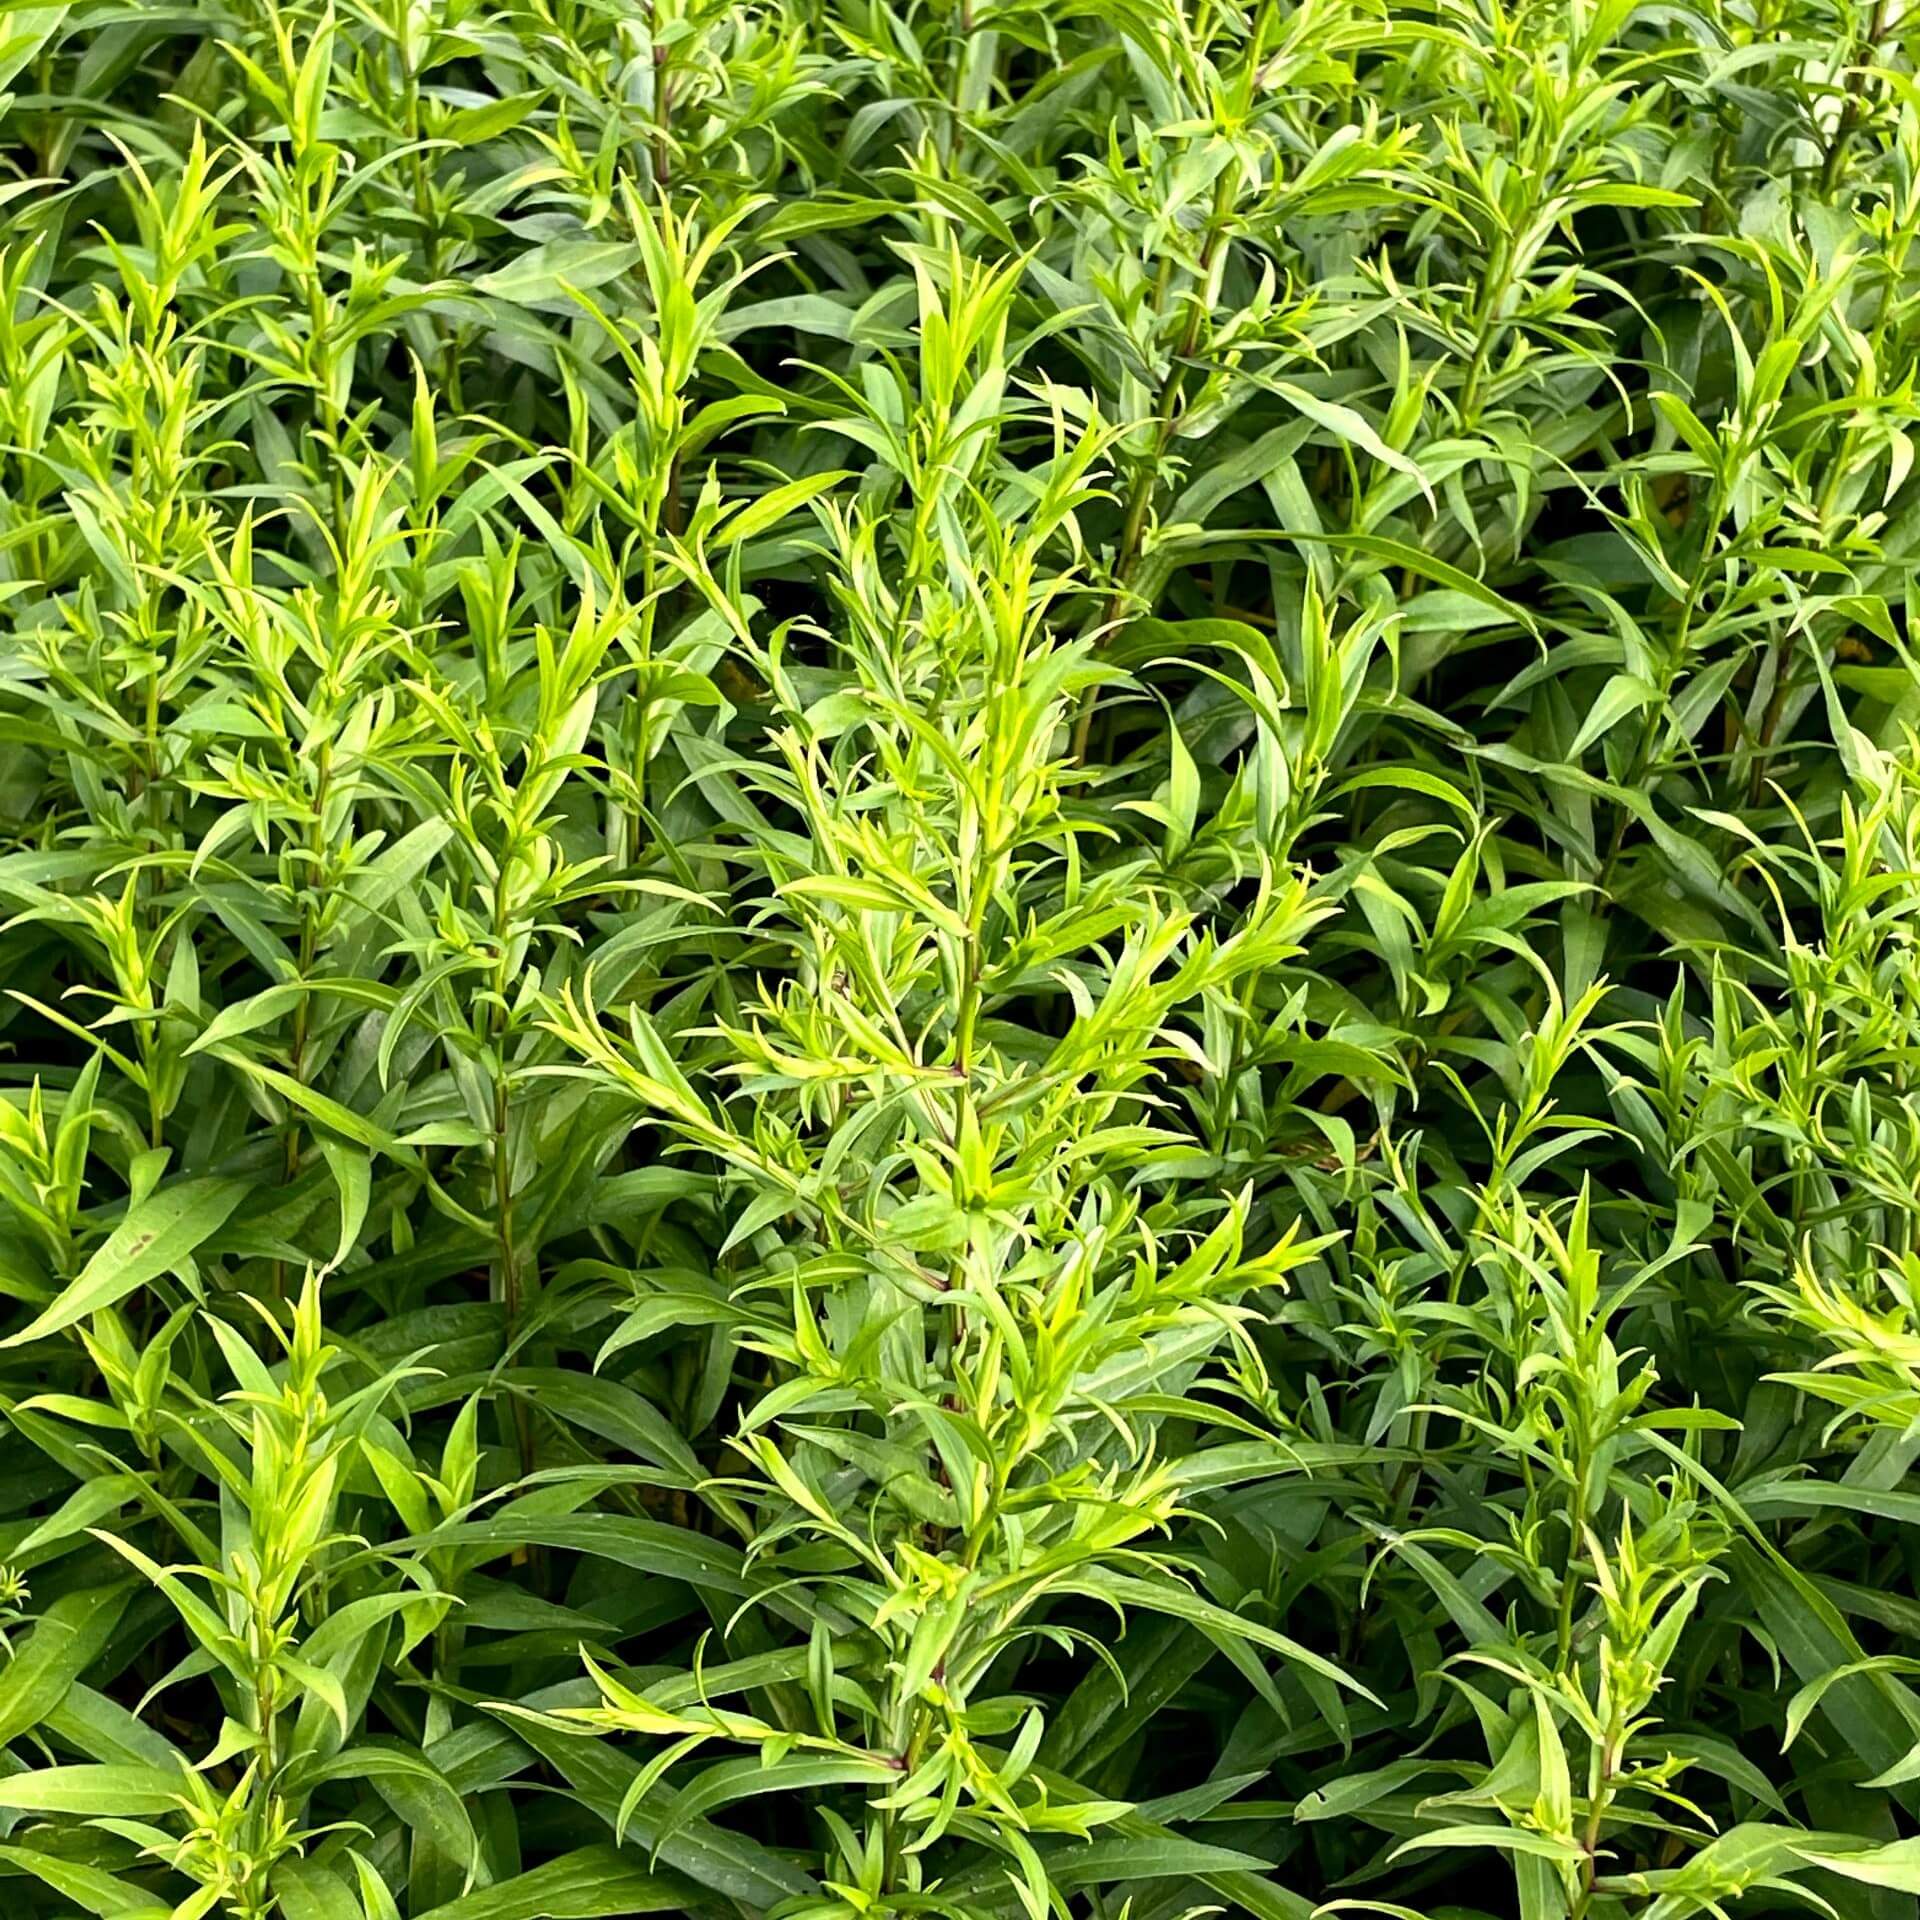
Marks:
<point>958,959</point>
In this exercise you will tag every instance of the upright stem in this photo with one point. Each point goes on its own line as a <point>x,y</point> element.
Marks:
<point>420,167</point>
<point>1859,97</point>
<point>1599,1797</point>
<point>1146,476</point>
<point>662,148</point>
<point>1569,1583</point>
<point>508,1278</point>
<point>1658,710</point>
<point>309,938</point>
<point>1824,510</point>
<point>1485,330</point>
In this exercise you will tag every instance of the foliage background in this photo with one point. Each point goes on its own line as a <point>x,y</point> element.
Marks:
<point>959,958</point>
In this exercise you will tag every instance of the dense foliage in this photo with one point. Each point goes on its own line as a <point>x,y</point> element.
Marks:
<point>959,959</point>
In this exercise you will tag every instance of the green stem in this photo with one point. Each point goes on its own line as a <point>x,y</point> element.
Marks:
<point>1145,484</point>
<point>1569,1582</point>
